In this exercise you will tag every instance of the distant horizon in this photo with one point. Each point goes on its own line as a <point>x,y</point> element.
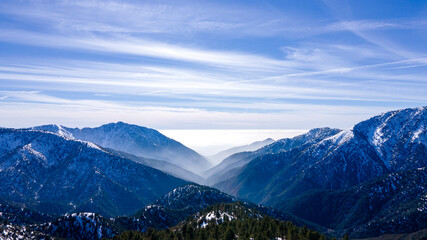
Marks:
<point>209,141</point>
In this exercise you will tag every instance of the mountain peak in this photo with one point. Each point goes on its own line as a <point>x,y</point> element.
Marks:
<point>136,140</point>
<point>124,124</point>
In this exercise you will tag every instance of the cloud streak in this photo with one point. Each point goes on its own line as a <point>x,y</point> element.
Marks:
<point>204,65</point>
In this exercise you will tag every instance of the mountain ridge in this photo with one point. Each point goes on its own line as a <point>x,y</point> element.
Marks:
<point>237,161</point>
<point>136,140</point>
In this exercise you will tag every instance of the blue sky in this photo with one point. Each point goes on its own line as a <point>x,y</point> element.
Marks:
<point>210,64</point>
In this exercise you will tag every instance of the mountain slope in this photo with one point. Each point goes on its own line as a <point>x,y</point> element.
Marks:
<point>55,174</point>
<point>136,140</point>
<point>346,159</point>
<point>217,158</point>
<point>389,143</point>
<point>394,203</point>
<point>231,166</point>
<point>20,215</point>
<point>163,166</point>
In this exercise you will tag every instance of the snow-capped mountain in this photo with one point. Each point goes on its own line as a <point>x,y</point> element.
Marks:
<point>59,174</point>
<point>399,138</point>
<point>387,144</point>
<point>136,140</point>
<point>231,166</point>
<point>217,158</point>
<point>343,160</point>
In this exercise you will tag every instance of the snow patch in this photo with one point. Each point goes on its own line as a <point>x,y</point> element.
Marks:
<point>417,133</point>
<point>64,133</point>
<point>211,216</point>
<point>341,137</point>
<point>33,152</point>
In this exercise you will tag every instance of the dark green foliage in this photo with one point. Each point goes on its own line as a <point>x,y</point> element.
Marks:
<point>229,234</point>
<point>243,223</point>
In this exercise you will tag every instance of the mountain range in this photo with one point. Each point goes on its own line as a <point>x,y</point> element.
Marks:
<point>367,181</point>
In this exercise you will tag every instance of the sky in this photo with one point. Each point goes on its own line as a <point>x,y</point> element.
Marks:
<point>210,65</point>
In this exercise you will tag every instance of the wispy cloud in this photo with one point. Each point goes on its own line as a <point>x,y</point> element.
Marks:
<point>47,109</point>
<point>146,48</point>
<point>142,80</point>
<point>204,64</point>
<point>168,17</point>
<point>373,25</point>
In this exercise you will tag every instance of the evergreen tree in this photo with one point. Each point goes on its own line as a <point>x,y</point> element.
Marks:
<point>229,234</point>
<point>203,235</point>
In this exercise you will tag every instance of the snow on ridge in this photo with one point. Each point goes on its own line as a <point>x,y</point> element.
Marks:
<point>62,132</point>
<point>67,136</point>
<point>376,134</point>
<point>37,154</point>
<point>420,109</point>
<point>341,137</point>
<point>92,145</point>
<point>212,216</point>
<point>53,129</point>
<point>80,214</point>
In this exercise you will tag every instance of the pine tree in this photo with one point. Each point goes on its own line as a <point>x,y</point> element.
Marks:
<point>229,234</point>
<point>203,235</point>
